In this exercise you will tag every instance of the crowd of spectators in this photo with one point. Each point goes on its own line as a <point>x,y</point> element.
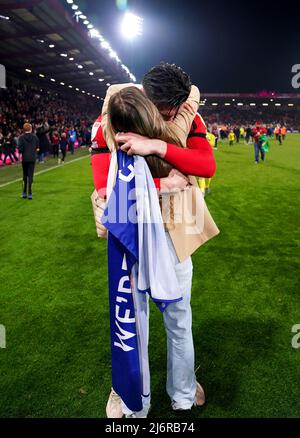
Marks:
<point>52,116</point>
<point>59,120</point>
<point>247,116</point>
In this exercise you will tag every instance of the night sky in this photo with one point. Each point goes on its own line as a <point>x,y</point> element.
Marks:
<point>224,46</point>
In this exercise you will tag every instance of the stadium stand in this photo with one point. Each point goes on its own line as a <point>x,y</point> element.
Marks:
<point>58,68</point>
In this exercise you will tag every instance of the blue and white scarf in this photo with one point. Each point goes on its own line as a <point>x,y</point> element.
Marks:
<point>138,262</point>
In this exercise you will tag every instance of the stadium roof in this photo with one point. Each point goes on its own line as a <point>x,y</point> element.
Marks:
<point>47,41</point>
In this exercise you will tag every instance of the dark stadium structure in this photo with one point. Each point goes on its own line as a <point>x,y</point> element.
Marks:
<point>43,44</point>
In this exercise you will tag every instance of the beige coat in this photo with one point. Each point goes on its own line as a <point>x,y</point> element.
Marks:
<point>191,224</point>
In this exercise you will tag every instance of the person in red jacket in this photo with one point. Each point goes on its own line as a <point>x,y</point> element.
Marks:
<point>55,144</point>
<point>256,133</point>
<point>196,159</point>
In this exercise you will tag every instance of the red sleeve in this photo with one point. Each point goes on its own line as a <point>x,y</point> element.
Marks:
<point>100,159</point>
<point>198,158</point>
<point>157,183</point>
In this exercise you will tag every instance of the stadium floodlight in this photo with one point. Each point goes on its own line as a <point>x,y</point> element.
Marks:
<point>70,86</point>
<point>214,104</point>
<point>52,80</point>
<point>74,7</point>
<point>70,2</point>
<point>290,104</point>
<point>113,54</point>
<point>28,70</point>
<point>83,17</point>
<point>132,26</point>
<point>108,84</point>
<point>80,66</point>
<point>227,104</point>
<point>41,75</point>
<point>233,100</point>
<point>91,73</point>
<point>86,22</point>
<point>105,45</point>
<point>94,33</point>
<point>83,91</point>
<point>265,104</point>
<point>4,17</point>
<point>100,80</point>
<point>77,89</point>
<point>71,59</point>
<point>252,104</point>
<point>240,104</point>
<point>277,104</point>
<point>64,55</point>
<point>51,46</point>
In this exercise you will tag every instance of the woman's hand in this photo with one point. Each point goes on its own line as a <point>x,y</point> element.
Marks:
<point>135,144</point>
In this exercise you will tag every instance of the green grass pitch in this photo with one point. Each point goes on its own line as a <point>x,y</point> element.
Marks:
<point>245,298</point>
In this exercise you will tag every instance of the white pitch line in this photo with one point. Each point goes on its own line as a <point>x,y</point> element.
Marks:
<point>44,171</point>
<point>197,368</point>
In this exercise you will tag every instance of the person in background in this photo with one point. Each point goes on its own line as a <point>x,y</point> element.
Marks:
<point>258,149</point>
<point>248,134</point>
<point>242,133</point>
<point>8,148</point>
<point>55,144</point>
<point>72,138</point>
<point>237,134</point>
<point>231,137</point>
<point>215,132</point>
<point>279,134</point>
<point>283,132</point>
<point>270,131</point>
<point>63,144</point>
<point>41,132</point>
<point>204,183</point>
<point>28,147</point>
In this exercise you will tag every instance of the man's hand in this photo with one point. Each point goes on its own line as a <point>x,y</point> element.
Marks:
<point>175,182</point>
<point>135,144</point>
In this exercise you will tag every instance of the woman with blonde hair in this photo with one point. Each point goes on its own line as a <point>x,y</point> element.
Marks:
<point>130,111</point>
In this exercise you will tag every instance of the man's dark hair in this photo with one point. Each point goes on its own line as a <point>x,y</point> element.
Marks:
<point>167,86</point>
